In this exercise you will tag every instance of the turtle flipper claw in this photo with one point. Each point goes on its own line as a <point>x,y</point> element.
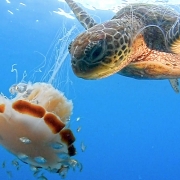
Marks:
<point>175,84</point>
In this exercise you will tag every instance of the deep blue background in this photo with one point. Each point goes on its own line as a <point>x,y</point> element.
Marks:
<point>131,128</point>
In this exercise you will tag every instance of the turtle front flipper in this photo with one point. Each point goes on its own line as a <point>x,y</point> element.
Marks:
<point>173,37</point>
<point>175,84</point>
<point>82,16</point>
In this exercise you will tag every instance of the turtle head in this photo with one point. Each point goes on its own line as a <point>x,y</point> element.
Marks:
<point>100,51</point>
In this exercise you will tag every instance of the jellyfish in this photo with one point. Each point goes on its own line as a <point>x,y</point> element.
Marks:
<point>34,123</point>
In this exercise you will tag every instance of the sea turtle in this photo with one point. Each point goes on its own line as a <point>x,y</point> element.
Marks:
<point>141,41</point>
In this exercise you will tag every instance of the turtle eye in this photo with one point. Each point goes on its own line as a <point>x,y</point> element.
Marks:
<point>98,51</point>
<point>95,51</point>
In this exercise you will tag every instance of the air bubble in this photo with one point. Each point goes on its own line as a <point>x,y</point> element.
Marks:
<point>78,119</point>
<point>15,163</point>
<point>63,156</point>
<point>18,88</point>
<point>34,168</point>
<point>79,129</point>
<point>23,157</point>
<point>63,171</point>
<point>56,145</point>
<point>54,170</point>
<point>25,140</point>
<point>83,147</point>
<point>75,164</point>
<point>40,160</point>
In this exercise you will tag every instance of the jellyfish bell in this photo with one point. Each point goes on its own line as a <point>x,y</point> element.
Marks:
<point>34,123</point>
<point>33,126</point>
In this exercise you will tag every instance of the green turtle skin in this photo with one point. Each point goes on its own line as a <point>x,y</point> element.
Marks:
<point>141,41</point>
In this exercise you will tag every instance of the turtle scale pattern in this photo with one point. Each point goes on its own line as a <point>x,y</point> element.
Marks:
<point>141,41</point>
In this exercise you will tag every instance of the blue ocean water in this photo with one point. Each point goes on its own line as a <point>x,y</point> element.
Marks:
<point>130,128</point>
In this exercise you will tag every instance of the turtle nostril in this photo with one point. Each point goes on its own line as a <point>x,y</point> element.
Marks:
<point>73,62</point>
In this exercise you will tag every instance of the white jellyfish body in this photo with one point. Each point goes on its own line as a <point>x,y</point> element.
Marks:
<point>33,126</point>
